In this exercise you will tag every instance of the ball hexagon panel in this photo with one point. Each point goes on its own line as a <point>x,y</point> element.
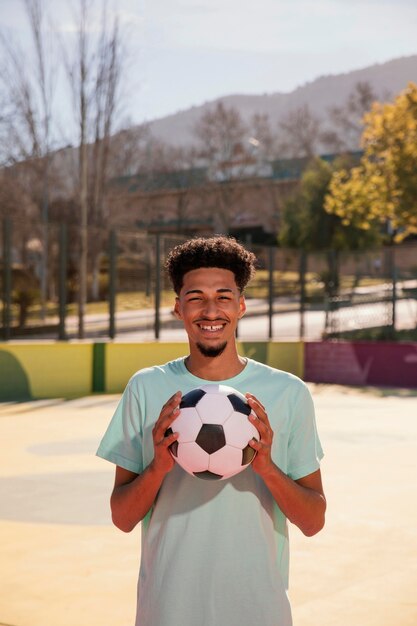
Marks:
<point>239,430</point>
<point>188,424</point>
<point>214,409</point>
<point>192,458</point>
<point>226,461</point>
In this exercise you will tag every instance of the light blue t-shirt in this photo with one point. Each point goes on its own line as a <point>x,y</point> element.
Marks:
<point>214,553</point>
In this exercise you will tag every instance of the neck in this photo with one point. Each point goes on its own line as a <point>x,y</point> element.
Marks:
<point>226,365</point>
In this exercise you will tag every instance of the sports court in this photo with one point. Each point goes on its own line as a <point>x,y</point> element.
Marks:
<point>63,564</point>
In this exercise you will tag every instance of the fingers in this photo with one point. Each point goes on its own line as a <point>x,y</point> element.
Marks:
<point>265,432</point>
<point>169,412</point>
<point>259,418</point>
<point>251,398</point>
<point>258,409</point>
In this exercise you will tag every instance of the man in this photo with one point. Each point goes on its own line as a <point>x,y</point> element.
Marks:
<point>214,553</point>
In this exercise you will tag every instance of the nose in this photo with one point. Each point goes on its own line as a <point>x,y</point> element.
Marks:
<point>211,310</point>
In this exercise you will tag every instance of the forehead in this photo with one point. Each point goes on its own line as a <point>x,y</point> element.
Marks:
<point>209,278</point>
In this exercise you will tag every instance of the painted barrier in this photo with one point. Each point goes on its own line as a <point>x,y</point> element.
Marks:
<point>42,370</point>
<point>46,370</point>
<point>387,364</point>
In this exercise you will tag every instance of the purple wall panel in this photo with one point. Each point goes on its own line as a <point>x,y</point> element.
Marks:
<point>361,363</point>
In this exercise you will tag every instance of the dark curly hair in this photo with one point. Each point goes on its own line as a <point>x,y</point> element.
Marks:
<point>218,251</point>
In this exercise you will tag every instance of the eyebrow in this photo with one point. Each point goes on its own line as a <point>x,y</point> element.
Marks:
<point>221,290</point>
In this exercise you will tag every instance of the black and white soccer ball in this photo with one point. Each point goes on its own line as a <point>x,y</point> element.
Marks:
<point>214,432</point>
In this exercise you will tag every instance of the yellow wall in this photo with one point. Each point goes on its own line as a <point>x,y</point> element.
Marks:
<point>287,356</point>
<point>124,359</point>
<point>42,370</point>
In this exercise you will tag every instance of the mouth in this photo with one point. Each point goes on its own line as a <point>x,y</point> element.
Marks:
<point>211,327</point>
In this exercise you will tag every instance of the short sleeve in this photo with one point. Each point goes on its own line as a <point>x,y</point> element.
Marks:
<point>122,441</point>
<point>304,447</point>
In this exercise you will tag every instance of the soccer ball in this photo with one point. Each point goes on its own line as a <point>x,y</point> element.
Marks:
<point>214,432</point>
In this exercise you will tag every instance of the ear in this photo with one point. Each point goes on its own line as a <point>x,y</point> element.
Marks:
<point>176,311</point>
<point>242,306</point>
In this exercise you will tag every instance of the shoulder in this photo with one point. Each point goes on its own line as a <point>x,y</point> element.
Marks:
<point>274,386</point>
<point>273,375</point>
<point>156,374</point>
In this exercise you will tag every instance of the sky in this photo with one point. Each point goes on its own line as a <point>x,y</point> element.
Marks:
<point>187,52</point>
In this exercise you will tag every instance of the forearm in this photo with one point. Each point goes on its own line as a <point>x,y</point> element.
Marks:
<point>303,506</point>
<point>130,502</point>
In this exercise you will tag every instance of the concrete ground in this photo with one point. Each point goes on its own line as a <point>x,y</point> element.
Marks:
<point>63,564</point>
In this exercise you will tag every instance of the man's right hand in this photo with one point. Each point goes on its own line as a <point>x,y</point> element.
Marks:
<point>134,494</point>
<point>163,461</point>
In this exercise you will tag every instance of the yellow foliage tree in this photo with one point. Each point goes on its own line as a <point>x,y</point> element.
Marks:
<point>383,187</point>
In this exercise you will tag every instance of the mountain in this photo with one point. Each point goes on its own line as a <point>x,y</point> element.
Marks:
<point>387,79</point>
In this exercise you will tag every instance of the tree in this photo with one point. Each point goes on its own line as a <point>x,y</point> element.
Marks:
<point>346,122</point>
<point>220,132</point>
<point>307,225</point>
<point>27,124</point>
<point>300,133</point>
<point>94,69</point>
<point>382,190</point>
<point>224,147</point>
<point>263,139</point>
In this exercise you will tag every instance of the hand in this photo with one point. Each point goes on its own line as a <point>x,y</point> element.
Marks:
<point>163,461</point>
<point>262,463</point>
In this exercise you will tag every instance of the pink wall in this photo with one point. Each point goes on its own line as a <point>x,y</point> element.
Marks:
<point>361,363</point>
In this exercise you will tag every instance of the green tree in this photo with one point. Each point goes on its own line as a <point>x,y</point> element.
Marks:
<point>382,189</point>
<point>308,226</point>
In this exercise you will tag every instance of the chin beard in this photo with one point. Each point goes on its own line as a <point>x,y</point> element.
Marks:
<point>211,350</point>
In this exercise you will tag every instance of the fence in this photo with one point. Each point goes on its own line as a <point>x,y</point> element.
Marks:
<point>295,295</point>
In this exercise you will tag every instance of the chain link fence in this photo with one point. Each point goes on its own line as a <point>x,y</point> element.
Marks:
<point>295,295</point>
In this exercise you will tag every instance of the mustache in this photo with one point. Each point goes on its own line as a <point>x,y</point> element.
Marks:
<point>211,321</point>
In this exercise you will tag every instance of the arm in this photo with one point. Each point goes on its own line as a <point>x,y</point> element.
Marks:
<point>134,494</point>
<point>302,501</point>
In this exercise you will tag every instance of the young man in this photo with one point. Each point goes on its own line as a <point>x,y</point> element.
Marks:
<point>214,553</point>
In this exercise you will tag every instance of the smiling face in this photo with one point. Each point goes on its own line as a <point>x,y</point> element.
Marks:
<point>210,306</point>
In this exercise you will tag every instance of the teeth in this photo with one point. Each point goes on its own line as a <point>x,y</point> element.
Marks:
<point>212,328</point>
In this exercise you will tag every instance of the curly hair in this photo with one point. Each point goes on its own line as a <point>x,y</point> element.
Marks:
<point>218,251</point>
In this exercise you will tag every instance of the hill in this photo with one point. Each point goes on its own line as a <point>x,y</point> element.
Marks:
<point>386,79</point>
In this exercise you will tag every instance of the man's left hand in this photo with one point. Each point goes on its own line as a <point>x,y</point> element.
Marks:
<point>262,463</point>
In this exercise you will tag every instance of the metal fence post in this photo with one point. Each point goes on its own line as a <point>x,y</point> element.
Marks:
<point>112,283</point>
<point>302,273</point>
<point>394,289</point>
<point>63,255</point>
<point>157,325</point>
<point>7,277</point>
<point>271,263</point>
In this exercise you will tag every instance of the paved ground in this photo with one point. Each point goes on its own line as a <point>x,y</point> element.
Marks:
<point>63,564</point>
